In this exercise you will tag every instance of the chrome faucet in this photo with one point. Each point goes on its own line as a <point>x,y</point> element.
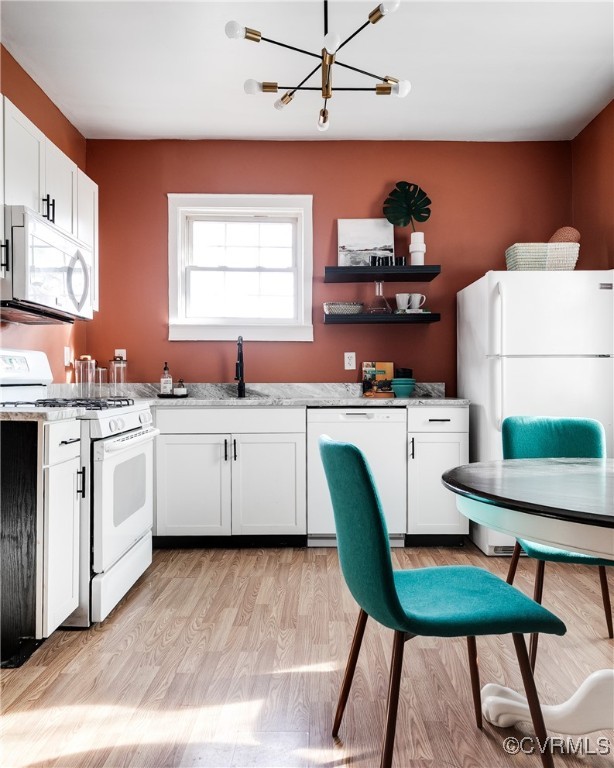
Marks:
<point>240,371</point>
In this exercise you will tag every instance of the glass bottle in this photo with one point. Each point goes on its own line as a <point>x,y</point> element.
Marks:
<point>379,305</point>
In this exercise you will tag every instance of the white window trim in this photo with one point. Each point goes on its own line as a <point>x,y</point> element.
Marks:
<point>181,329</point>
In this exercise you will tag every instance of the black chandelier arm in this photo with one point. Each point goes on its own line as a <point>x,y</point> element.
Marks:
<point>325,23</point>
<point>361,71</point>
<point>353,35</point>
<point>300,87</point>
<point>317,88</point>
<point>291,47</point>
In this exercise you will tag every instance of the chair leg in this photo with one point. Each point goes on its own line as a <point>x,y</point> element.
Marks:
<point>513,563</point>
<point>533,701</point>
<point>475,680</point>
<point>396,666</point>
<point>605,594</point>
<point>349,669</point>
<point>537,596</point>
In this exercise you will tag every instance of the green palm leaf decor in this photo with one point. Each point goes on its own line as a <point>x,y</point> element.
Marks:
<point>407,203</point>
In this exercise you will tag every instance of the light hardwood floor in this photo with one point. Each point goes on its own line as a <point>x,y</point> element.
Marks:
<point>224,658</point>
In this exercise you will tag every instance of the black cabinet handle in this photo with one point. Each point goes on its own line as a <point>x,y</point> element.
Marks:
<point>69,442</point>
<point>440,419</point>
<point>234,449</point>
<point>412,449</point>
<point>47,202</point>
<point>81,491</point>
<point>52,211</point>
<point>225,449</point>
<point>4,255</point>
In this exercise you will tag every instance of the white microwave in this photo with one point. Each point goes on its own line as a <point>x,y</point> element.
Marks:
<point>45,275</point>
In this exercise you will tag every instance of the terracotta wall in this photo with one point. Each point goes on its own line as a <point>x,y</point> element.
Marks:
<point>25,94</point>
<point>485,196</point>
<point>592,158</point>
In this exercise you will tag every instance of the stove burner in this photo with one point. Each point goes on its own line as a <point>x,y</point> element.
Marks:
<point>89,403</point>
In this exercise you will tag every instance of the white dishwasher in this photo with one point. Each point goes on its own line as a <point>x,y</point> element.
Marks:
<point>381,435</point>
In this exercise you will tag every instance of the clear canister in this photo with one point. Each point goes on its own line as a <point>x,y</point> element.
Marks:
<point>117,375</point>
<point>85,369</point>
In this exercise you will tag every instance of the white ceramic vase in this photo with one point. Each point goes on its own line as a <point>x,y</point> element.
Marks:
<point>417,249</point>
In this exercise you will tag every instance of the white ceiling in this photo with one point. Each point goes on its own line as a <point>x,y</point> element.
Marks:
<point>480,71</point>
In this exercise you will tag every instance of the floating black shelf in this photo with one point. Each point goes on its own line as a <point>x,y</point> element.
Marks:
<point>417,317</point>
<point>421,274</point>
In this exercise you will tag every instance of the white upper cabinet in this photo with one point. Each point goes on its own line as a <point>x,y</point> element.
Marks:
<point>40,176</point>
<point>60,199</point>
<point>87,224</point>
<point>24,160</point>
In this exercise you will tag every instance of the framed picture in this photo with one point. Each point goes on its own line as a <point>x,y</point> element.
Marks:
<point>365,242</point>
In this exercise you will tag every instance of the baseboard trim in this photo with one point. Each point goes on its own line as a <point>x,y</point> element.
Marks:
<point>229,542</point>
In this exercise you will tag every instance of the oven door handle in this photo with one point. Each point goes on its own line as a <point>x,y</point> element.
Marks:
<point>114,446</point>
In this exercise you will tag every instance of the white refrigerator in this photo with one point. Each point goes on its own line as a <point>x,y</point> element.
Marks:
<point>533,344</point>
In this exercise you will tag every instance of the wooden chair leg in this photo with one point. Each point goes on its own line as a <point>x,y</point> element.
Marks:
<point>475,680</point>
<point>605,594</point>
<point>349,669</point>
<point>537,596</point>
<point>533,701</point>
<point>396,666</point>
<point>513,563</point>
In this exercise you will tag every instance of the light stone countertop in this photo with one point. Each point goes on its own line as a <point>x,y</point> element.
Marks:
<point>310,395</point>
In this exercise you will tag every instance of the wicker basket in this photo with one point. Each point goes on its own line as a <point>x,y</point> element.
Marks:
<point>343,307</point>
<point>540,256</point>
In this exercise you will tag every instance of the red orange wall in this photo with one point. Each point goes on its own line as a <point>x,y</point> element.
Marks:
<point>485,197</point>
<point>25,94</point>
<point>592,159</point>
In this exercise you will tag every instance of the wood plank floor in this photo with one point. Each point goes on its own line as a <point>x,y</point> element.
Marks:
<point>224,658</point>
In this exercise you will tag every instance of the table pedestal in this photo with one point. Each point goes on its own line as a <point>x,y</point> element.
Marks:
<point>591,708</point>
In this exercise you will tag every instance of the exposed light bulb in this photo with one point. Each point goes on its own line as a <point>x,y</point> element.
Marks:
<point>389,6</point>
<point>285,99</point>
<point>252,87</point>
<point>234,30</point>
<point>332,41</point>
<point>323,124</point>
<point>401,89</point>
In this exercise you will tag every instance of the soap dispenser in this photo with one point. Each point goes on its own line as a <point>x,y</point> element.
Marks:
<point>166,381</point>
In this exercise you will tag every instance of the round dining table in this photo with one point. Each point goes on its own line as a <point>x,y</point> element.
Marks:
<point>560,502</point>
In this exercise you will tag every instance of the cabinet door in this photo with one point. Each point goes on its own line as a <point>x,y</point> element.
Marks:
<point>431,508</point>
<point>268,484</point>
<point>24,160</point>
<point>61,186</point>
<point>87,225</point>
<point>61,543</point>
<point>192,485</point>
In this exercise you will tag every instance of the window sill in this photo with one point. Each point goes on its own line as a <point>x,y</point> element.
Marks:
<point>193,332</point>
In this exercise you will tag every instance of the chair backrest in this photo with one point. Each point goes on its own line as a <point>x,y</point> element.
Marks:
<point>531,437</point>
<point>362,536</point>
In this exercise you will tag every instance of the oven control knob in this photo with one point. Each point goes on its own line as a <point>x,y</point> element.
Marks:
<point>120,423</point>
<point>145,418</point>
<point>113,425</point>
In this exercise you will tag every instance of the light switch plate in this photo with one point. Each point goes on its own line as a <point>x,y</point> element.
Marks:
<point>121,353</point>
<point>67,357</point>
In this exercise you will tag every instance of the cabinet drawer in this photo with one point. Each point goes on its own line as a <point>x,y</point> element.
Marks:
<point>433,419</point>
<point>62,441</point>
<point>188,420</point>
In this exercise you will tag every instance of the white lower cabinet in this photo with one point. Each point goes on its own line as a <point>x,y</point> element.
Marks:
<point>250,482</point>
<point>434,448</point>
<point>63,482</point>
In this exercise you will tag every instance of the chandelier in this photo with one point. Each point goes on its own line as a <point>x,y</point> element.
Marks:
<point>387,86</point>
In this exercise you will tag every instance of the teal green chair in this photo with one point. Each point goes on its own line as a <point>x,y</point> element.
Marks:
<point>538,437</point>
<point>449,601</point>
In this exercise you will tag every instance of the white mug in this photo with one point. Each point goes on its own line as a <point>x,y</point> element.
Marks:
<point>402,301</point>
<point>416,300</point>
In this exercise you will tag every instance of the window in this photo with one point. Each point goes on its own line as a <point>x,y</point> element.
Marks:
<point>240,265</point>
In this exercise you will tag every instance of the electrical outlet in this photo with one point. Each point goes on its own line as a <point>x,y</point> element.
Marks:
<point>67,357</point>
<point>349,361</point>
<point>121,353</point>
